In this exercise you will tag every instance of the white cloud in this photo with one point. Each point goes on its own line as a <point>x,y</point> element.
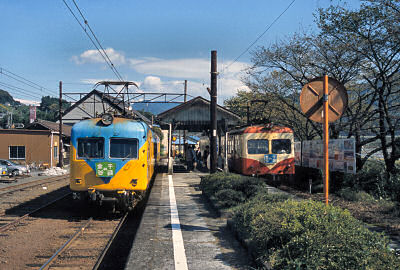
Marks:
<point>93,56</point>
<point>195,70</point>
<point>177,68</point>
<point>151,82</point>
<point>28,102</point>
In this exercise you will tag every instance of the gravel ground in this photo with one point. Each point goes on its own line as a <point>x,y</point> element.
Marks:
<point>31,243</point>
<point>30,194</point>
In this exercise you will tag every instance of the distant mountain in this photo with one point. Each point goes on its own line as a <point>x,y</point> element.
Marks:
<point>5,98</point>
<point>154,108</point>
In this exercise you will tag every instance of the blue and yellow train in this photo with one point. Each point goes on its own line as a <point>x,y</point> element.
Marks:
<point>113,160</point>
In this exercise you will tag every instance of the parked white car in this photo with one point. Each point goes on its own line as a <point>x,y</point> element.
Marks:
<point>14,169</point>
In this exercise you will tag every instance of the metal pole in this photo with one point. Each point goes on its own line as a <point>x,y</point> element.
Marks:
<point>213,113</point>
<point>226,152</point>
<point>170,160</point>
<point>326,140</point>
<point>60,144</point>
<point>184,131</point>
<point>180,143</point>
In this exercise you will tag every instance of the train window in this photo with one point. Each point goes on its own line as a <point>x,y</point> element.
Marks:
<point>123,148</point>
<point>257,147</point>
<point>91,148</point>
<point>155,149</point>
<point>281,146</point>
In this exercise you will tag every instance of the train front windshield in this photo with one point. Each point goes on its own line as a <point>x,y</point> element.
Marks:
<point>91,148</point>
<point>281,146</point>
<point>123,148</point>
<point>257,147</point>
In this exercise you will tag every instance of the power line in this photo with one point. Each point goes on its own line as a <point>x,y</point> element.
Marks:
<point>260,36</point>
<point>101,49</point>
<point>21,91</point>
<point>25,81</point>
<point>98,42</point>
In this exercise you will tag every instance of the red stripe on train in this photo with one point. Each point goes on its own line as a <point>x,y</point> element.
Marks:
<point>262,129</point>
<point>254,167</point>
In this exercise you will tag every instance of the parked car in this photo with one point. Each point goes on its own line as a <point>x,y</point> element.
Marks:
<point>14,169</point>
<point>3,170</point>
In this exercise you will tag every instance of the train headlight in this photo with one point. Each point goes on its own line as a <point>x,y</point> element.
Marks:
<point>107,119</point>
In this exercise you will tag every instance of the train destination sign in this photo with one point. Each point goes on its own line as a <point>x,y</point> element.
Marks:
<point>105,169</point>
<point>312,99</point>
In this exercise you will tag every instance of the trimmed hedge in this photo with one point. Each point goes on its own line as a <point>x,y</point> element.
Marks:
<point>309,235</point>
<point>227,190</point>
<point>283,233</point>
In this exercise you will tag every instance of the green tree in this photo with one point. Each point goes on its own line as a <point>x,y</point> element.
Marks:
<point>49,108</point>
<point>367,63</point>
<point>373,34</point>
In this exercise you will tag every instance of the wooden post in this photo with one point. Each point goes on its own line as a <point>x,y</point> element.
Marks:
<point>213,113</point>
<point>60,144</point>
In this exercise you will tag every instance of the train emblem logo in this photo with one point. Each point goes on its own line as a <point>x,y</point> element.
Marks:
<point>270,159</point>
<point>105,169</point>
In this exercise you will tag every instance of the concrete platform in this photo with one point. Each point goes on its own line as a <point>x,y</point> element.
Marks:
<point>177,230</point>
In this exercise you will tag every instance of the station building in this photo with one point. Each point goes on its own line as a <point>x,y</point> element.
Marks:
<point>37,144</point>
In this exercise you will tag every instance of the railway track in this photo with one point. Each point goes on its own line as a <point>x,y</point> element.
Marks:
<point>58,233</point>
<point>36,183</point>
<point>23,198</point>
<point>87,247</point>
<point>14,220</point>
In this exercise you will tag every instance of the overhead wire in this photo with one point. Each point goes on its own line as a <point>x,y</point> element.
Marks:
<point>258,38</point>
<point>101,49</point>
<point>98,42</point>
<point>21,91</point>
<point>25,81</point>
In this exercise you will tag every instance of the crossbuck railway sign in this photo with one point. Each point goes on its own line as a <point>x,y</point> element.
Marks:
<point>312,98</point>
<point>324,100</point>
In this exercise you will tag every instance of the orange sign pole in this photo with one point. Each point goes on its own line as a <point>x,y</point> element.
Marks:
<point>326,140</point>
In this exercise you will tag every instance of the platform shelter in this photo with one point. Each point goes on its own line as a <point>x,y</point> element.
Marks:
<point>194,116</point>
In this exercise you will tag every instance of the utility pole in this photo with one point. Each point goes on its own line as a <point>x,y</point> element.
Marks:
<point>60,144</point>
<point>213,113</point>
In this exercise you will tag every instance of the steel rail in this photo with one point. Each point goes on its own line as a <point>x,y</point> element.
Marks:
<point>110,241</point>
<point>8,225</point>
<point>66,244</point>
<point>31,184</point>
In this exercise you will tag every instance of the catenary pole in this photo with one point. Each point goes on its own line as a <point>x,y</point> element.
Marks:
<point>184,131</point>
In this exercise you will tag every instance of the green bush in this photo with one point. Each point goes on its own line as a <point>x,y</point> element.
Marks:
<point>227,189</point>
<point>356,196</point>
<point>244,213</point>
<point>374,180</point>
<point>308,235</point>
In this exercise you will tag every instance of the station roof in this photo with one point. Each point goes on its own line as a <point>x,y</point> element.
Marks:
<point>194,116</point>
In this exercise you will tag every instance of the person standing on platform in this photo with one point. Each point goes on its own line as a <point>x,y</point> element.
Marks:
<point>205,155</point>
<point>190,157</point>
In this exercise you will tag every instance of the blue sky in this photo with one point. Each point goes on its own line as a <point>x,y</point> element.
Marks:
<point>157,44</point>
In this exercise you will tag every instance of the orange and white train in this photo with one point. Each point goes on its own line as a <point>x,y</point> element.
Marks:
<point>261,150</point>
